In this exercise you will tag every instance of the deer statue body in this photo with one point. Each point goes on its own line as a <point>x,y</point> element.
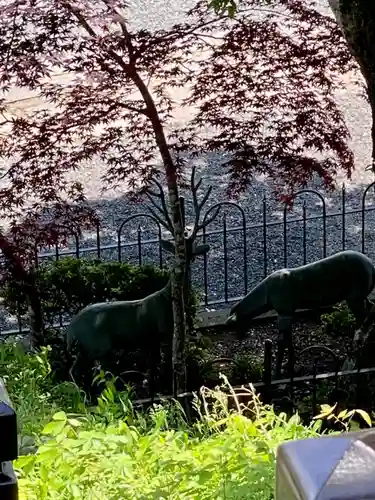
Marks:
<point>100,329</point>
<point>346,275</point>
<point>103,327</point>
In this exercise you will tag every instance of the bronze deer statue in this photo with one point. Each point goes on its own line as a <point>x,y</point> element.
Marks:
<point>100,329</point>
<point>346,275</point>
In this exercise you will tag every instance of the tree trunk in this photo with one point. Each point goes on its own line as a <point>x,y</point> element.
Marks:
<point>178,271</point>
<point>356,19</point>
<point>27,281</point>
<point>177,289</point>
<point>35,312</point>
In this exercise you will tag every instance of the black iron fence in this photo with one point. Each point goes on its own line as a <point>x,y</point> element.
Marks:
<point>298,391</point>
<point>234,240</point>
<point>244,249</point>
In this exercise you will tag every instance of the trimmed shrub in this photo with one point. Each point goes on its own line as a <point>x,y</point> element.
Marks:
<point>69,284</point>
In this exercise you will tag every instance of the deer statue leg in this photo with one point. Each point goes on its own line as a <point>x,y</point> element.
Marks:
<point>154,364</point>
<point>284,324</point>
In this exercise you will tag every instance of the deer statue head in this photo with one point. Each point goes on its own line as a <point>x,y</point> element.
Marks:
<point>161,214</point>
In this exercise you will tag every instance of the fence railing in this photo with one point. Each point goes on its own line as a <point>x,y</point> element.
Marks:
<point>234,241</point>
<point>243,250</point>
<point>302,393</point>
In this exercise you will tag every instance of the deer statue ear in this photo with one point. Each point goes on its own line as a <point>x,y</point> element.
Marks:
<point>201,249</point>
<point>167,245</point>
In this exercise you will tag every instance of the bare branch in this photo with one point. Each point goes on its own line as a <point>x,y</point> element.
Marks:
<point>167,223</point>
<point>198,206</point>
<point>158,218</point>
<point>150,195</point>
<point>210,219</point>
<point>205,198</point>
<point>7,172</point>
<point>81,19</point>
<point>83,22</point>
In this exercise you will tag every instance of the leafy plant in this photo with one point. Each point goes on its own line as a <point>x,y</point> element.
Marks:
<point>340,321</point>
<point>33,391</point>
<point>344,417</point>
<point>197,360</point>
<point>112,451</point>
<point>67,285</point>
<point>247,368</point>
<point>225,455</point>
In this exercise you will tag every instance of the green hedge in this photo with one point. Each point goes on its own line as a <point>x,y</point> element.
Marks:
<point>68,285</point>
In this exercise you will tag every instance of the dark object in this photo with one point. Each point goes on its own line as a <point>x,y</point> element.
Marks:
<point>346,275</point>
<point>102,327</point>
<point>8,447</point>
<point>337,467</point>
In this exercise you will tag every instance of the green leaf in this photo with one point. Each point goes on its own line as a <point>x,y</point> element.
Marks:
<point>54,428</point>
<point>74,422</point>
<point>61,415</point>
<point>366,417</point>
<point>349,414</point>
<point>76,492</point>
<point>295,419</point>
<point>342,414</point>
<point>317,425</point>
<point>45,455</point>
<point>232,9</point>
<point>325,411</point>
<point>26,463</point>
<point>354,426</point>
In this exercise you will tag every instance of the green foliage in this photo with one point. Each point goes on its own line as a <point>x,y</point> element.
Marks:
<point>112,451</point>
<point>247,368</point>
<point>31,386</point>
<point>69,284</point>
<point>339,322</point>
<point>344,417</point>
<point>222,6</point>
<point>197,362</point>
<point>225,455</point>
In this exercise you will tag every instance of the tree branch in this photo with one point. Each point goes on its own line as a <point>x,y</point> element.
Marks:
<point>122,22</point>
<point>143,111</point>
<point>163,209</point>
<point>82,21</point>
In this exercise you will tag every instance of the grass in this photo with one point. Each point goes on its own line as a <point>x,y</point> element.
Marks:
<point>69,450</point>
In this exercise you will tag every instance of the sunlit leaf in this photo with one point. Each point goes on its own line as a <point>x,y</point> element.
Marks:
<point>366,417</point>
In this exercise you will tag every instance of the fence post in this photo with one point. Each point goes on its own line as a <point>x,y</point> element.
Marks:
<point>8,447</point>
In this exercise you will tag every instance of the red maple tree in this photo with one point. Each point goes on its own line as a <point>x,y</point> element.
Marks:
<point>259,87</point>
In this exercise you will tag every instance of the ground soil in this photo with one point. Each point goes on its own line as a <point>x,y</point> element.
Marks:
<point>329,354</point>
